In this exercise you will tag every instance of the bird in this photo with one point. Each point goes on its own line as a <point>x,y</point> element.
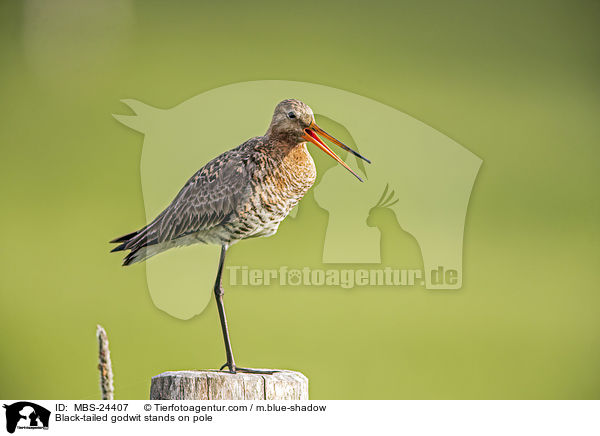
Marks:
<point>244,193</point>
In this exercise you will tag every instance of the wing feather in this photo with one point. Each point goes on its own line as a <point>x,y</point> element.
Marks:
<point>207,199</point>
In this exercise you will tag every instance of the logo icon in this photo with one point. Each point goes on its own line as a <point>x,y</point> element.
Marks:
<point>26,415</point>
<point>420,178</point>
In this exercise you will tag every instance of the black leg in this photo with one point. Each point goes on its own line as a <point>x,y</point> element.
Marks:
<point>221,308</point>
<point>219,298</point>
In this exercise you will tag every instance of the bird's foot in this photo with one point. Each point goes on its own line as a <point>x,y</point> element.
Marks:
<point>230,365</point>
<point>257,371</point>
<point>235,369</point>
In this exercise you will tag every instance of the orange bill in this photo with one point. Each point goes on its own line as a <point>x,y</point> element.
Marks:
<point>310,134</point>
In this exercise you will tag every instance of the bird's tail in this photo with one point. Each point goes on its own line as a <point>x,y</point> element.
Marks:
<point>142,247</point>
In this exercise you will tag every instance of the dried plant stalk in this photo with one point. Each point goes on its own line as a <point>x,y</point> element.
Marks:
<point>104,364</point>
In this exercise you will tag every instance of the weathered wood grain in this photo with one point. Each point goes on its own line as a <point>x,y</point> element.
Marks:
<point>218,385</point>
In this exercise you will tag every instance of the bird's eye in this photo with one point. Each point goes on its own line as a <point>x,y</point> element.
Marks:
<point>291,115</point>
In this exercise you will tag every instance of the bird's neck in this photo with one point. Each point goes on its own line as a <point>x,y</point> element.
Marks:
<point>292,164</point>
<point>284,152</point>
<point>281,145</point>
<point>275,134</point>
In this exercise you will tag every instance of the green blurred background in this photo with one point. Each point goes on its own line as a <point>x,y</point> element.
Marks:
<point>515,82</point>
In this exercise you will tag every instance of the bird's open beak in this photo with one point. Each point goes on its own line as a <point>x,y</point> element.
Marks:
<point>310,134</point>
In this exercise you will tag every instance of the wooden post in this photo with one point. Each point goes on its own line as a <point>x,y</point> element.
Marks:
<point>220,385</point>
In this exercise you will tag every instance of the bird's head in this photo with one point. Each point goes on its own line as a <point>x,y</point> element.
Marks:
<point>294,123</point>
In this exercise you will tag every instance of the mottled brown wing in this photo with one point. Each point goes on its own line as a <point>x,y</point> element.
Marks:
<point>209,198</point>
<point>206,200</point>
